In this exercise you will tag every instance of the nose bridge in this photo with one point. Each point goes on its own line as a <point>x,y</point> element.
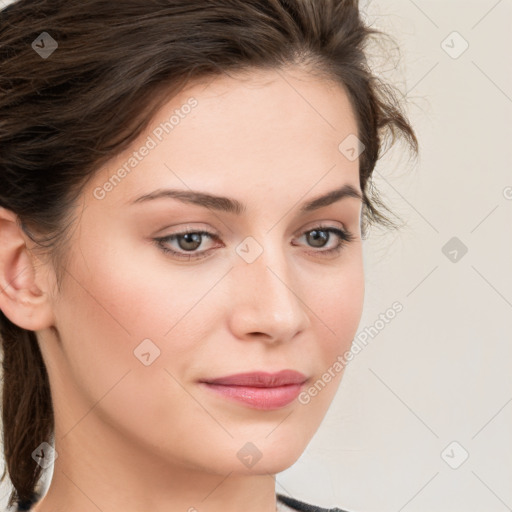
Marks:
<point>270,270</point>
<point>266,295</point>
<point>273,281</point>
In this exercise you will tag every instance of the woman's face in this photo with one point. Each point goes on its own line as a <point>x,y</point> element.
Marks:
<point>139,327</point>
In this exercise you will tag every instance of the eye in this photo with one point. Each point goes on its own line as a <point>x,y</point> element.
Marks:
<point>321,235</point>
<point>189,241</point>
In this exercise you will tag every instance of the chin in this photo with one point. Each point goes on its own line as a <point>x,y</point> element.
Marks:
<point>276,455</point>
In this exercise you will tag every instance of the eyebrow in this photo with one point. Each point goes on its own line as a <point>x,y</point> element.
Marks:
<point>231,205</point>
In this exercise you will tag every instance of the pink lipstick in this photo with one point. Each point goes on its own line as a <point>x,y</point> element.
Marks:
<point>259,390</point>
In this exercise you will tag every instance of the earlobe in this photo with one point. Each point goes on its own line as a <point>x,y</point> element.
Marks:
<point>22,299</point>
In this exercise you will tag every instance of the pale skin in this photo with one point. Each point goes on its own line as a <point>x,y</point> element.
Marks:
<point>132,437</point>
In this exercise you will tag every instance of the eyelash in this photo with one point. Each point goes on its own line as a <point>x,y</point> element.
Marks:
<point>345,237</point>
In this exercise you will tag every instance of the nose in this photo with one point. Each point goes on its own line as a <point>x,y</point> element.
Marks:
<point>267,302</point>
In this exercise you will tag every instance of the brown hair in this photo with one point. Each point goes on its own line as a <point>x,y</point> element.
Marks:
<point>64,116</point>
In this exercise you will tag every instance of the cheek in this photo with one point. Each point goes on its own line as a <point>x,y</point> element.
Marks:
<point>102,321</point>
<point>339,306</point>
<point>135,289</point>
<point>117,298</point>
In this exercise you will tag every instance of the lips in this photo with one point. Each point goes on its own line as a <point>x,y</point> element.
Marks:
<point>258,390</point>
<point>260,379</point>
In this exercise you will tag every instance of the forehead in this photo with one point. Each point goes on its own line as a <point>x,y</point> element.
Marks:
<point>258,130</point>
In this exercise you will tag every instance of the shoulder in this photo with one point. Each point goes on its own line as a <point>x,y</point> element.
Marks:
<point>293,504</point>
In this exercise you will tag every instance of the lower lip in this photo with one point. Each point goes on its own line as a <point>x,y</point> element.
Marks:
<point>259,398</point>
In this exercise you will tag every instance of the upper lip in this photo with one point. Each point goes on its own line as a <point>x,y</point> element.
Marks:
<point>260,379</point>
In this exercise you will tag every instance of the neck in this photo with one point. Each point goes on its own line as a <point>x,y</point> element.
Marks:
<point>100,472</point>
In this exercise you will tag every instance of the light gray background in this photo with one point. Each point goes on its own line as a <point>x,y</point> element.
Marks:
<point>439,372</point>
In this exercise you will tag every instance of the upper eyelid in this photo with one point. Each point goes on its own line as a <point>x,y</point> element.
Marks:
<point>213,234</point>
<point>315,224</point>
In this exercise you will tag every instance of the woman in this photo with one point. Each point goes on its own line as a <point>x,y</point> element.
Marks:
<point>185,187</point>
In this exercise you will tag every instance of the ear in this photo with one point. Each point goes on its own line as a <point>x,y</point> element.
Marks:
<point>24,297</point>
